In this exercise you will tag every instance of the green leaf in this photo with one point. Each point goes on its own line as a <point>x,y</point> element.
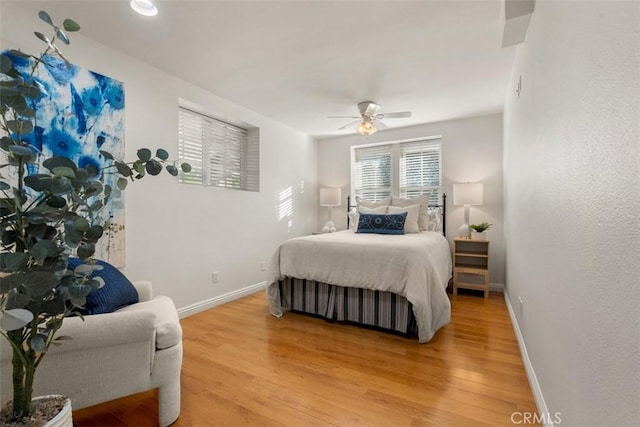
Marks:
<point>53,307</point>
<point>5,64</point>
<point>107,155</point>
<point>14,319</point>
<point>38,343</point>
<point>17,261</point>
<point>62,36</point>
<point>122,183</point>
<point>162,154</point>
<point>73,237</point>
<point>92,171</point>
<point>12,281</point>
<point>9,237</point>
<point>19,54</point>
<point>38,283</point>
<point>172,170</point>
<point>38,182</point>
<point>27,112</point>
<point>70,25</point>
<point>93,188</point>
<point>45,17</point>
<point>60,162</point>
<point>186,167</point>
<point>123,169</point>
<point>56,202</point>
<point>96,206</point>
<point>153,167</point>
<point>45,249</point>
<point>94,234</point>
<point>86,250</point>
<point>20,150</point>
<point>84,270</point>
<point>29,91</point>
<point>80,224</point>
<point>144,154</point>
<point>64,171</point>
<point>17,300</point>
<point>60,185</point>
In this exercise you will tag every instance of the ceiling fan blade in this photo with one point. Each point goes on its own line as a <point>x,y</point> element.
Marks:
<point>379,125</point>
<point>398,115</point>
<point>343,117</point>
<point>350,124</point>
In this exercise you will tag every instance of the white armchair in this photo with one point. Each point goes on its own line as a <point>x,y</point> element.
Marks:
<point>134,349</point>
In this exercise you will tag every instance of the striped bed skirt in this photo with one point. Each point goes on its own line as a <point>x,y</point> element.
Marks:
<point>377,309</point>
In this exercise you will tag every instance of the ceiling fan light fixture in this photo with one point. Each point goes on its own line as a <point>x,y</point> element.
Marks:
<point>366,127</point>
<point>144,7</point>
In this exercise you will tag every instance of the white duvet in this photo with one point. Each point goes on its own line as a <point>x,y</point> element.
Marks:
<point>416,266</point>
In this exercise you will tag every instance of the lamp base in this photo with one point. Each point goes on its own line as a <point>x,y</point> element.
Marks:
<point>329,227</point>
<point>464,231</point>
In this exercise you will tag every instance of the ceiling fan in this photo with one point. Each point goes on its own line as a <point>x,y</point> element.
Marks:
<point>369,119</point>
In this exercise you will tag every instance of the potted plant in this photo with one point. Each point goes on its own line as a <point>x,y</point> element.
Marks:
<point>478,230</point>
<point>49,210</point>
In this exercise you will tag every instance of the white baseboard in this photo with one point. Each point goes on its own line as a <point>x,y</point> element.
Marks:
<point>543,411</point>
<point>496,287</point>
<point>220,299</point>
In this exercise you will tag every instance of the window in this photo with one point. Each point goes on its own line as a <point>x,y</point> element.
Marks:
<point>404,169</point>
<point>220,154</point>
<point>373,170</point>
<point>420,170</point>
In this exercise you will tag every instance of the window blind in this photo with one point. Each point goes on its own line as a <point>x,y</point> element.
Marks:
<point>220,154</point>
<point>420,169</point>
<point>373,172</point>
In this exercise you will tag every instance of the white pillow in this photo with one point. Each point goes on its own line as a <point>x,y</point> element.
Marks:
<point>354,216</point>
<point>423,201</point>
<point>363,203</point>
<point>411,223</point>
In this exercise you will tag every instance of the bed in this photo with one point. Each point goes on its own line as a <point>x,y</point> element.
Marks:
<point>392,282</point>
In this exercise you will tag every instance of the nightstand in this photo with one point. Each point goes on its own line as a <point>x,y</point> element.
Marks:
<point>471,265</point>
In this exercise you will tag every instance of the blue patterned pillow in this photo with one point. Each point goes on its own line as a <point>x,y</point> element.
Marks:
<point>382,224</point>
<point>116,293</point>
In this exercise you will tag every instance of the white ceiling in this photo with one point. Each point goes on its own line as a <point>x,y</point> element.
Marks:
<point>301,61</point>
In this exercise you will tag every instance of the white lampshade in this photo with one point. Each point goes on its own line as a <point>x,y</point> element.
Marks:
<point>330,196</point>
<point>469,193</point>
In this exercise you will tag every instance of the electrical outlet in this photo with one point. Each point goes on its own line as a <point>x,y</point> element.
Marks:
<point>262,266</point>
<point>214,277</point>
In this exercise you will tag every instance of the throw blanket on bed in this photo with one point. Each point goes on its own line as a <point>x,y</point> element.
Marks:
<point>416,266</point>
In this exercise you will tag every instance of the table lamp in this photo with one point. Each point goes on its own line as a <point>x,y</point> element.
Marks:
<point>330,197</point>
<point>467,194</point>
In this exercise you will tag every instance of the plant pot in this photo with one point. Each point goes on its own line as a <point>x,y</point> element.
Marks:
<point>478,236</point>
<point>64,417</point>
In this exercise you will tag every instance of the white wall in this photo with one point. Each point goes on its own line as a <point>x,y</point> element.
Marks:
<point>471,151</point>
<point>177,235</point>
<point>572,204</point>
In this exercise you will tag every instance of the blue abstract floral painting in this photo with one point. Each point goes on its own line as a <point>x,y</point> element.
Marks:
<point>80,113</point>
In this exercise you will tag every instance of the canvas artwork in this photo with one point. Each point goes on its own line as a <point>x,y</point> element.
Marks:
<point>81,113</point>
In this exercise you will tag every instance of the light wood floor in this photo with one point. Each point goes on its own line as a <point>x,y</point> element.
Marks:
<point>244,367</point>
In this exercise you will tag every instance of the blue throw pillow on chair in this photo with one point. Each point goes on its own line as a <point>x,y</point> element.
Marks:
<point>116,293</point>
<point>381,223</point>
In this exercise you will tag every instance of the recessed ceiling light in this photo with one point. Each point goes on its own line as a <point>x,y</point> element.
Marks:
<point>144,7</point>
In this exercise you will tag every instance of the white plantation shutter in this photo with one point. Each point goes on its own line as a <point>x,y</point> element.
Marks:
<point>403,169</point>
<point>420,169</point>
<point>221,154</point>
<point>373,172</point>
